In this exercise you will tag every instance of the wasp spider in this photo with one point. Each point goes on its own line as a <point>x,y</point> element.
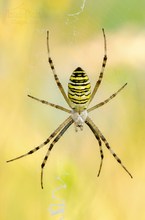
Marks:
<point>78,99</point>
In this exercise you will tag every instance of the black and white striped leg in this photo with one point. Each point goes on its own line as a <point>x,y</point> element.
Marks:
<point>92,127</point>
<point>107,100</point>
<point>51,104</point>
<point>97,131</point>
<point>45,142</point>
<point>51,146</point>
<point>54,72</point>
<point>112,152</point>
<point>102,69</point>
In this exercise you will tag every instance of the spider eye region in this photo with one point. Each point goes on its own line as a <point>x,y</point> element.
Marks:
<point>79,119</point>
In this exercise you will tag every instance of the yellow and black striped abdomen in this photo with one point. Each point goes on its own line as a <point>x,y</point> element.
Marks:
<point>79,90</point>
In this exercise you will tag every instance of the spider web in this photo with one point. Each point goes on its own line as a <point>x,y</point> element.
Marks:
<point>72,18</point>
<point>80,10</point>
<point>58,206</point>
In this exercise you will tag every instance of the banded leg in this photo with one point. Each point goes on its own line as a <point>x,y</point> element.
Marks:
<point>109,148</point>
<point>45,142</point>
<point>51,104</point>
<point>54,72</point>
<point>51,146</point>
<point>107,100</point>
<point>102,69</point>
<point>92,127</point>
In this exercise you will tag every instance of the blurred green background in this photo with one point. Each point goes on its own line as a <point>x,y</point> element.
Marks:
<point>70,176</point>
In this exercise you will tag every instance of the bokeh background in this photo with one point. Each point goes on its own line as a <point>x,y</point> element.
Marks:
<point>71,187</point>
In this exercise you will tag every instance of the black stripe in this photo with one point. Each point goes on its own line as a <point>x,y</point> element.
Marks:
<point>79,81</point>
<point>81,84</point>
<point>79,91</point>
<point>80,95</point>
<point>79,101</point>
<point>79,74</point>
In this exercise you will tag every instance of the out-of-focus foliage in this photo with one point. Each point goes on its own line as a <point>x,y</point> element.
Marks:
<point>70,181</point>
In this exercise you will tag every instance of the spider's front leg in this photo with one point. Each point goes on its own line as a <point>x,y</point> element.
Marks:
<point>91,126</point>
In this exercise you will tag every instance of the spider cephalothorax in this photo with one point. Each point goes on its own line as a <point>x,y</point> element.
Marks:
<point>79,118</point>
<point>78,99</point>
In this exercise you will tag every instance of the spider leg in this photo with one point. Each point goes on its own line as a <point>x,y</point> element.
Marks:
<point>109,148</point>
<point>106,100</point>
<point>54,72</point>
<point>45,142</point>
<point>93,129</point>
<point>114,155</point>
<point>102,69</point>
<point>51,104</point>
<point>51,146</point>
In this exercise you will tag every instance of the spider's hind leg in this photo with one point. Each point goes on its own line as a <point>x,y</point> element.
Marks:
<point>44,143</point>
<point>113,153</point>
<point>92,127</point>
<point>98,133</point>
<point>59,135</point>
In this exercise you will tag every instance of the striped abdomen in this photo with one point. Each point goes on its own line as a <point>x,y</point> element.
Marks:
<point>79,90</point>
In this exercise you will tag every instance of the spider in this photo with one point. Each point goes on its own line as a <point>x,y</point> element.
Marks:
<point>78,99</point>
